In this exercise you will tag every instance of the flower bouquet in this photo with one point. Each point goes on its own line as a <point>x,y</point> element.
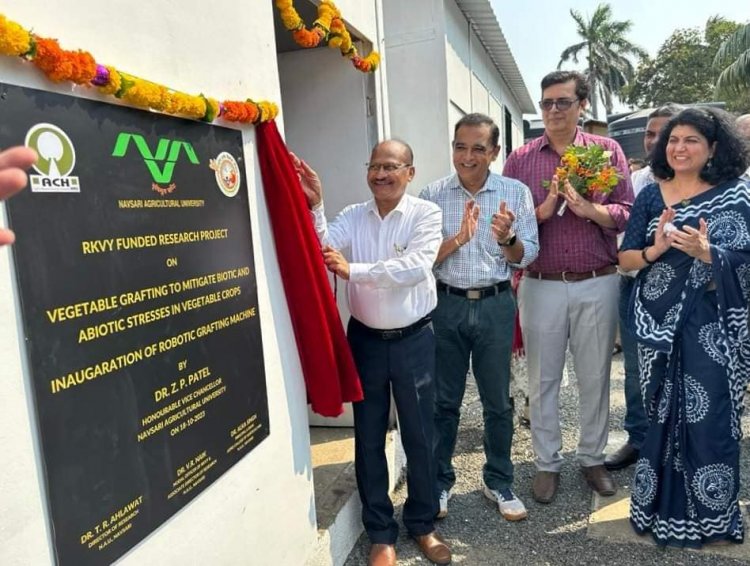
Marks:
<point>589,171</point>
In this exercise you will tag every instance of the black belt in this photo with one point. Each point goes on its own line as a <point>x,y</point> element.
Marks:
<point>395,333</point>
<point>474,294</point>
<point>572,276</point>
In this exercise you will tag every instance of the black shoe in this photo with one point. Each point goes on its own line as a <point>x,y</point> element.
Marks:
<point>624,457</point>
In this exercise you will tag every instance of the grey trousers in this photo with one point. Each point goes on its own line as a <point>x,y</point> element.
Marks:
<point>583,315</point>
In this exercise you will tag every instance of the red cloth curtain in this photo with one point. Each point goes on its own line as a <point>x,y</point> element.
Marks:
<point>517,346</point>
<point>330,374</point>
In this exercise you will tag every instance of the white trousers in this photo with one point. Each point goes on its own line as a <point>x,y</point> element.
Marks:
<point>583,315</point>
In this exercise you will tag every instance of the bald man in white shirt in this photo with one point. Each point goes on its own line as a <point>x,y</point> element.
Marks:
<point>385,248</point>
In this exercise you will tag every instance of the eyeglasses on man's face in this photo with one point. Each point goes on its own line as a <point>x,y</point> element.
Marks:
<point>387,167</point>
<point>562,104</point>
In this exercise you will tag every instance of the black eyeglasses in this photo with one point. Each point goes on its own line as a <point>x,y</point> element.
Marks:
<point>561,103</point>
<point>387,167</point>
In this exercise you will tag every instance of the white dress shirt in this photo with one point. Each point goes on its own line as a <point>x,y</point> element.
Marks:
<point>641,178</point>
<point>391,284</point>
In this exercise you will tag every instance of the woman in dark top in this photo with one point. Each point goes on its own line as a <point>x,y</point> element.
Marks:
<point>689,235</point>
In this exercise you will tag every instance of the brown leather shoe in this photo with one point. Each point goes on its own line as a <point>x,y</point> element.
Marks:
<point>434,548</point>
<point>382,555</point>
<point>599,479</point>
<point>545,486</point>
<point>622,458</point>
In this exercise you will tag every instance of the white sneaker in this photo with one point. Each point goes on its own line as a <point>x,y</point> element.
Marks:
<point>511,508</point>
<point>445,495</point>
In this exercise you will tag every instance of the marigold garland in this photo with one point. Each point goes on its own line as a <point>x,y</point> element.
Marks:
<point>14,40</point>
<point>328,27</point>
<point>81,68</point>
<point>60,65</point>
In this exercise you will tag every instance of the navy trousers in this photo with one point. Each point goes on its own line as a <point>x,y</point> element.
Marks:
<point>406,366</point>
<point>480,331</point>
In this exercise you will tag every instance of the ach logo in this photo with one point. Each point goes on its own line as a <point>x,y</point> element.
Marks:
<point>167,153</point>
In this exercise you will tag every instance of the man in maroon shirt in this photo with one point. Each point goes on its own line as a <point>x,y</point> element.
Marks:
<point>568,296</point>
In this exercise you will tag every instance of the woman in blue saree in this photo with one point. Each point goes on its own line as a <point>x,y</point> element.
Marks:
<point>689,235</point>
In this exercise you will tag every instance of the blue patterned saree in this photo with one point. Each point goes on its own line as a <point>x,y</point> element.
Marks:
<point>691,322</point>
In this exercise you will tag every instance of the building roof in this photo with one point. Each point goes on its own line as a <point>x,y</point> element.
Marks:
<point>483,21</point>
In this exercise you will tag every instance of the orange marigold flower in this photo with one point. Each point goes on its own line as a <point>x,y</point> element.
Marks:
<point>240,111</point>
<point>60,65</point>
<point>308,38</point>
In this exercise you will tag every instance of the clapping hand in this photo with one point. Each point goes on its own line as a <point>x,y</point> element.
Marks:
<point>502,221</point>
<point>469,222</point>
<point>547,208</point>
<point>662,240</point>
<point>693,242</point>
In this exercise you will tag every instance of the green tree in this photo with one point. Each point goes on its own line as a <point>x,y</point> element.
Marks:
<point>607,49</point>
<point>732,60</point>
<point>683,70</point>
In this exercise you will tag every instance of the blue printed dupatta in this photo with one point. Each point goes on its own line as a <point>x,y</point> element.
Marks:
<point>691,321</point>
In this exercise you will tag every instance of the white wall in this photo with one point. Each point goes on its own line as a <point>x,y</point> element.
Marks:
<point>474,83</point>
<point>261,511</point>
<point>326,123</point>
<point>414,34</point>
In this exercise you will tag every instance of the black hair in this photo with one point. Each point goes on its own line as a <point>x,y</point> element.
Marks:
<point>477,119</point>
<point>730,157</point>
<point>667,111</point>
<point>559,77</point>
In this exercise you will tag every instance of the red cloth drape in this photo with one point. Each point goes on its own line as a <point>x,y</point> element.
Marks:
<point>330,374</point>
<point>517,346</point>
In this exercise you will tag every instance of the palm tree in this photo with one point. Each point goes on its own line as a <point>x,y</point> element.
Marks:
<point>733,59</point>
<point>607,50</point>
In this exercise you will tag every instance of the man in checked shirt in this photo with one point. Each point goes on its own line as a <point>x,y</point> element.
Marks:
<point>489,228</point>
<point>569,295</point>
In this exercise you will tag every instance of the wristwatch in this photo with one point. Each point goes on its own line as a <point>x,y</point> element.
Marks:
<point>509,242</point>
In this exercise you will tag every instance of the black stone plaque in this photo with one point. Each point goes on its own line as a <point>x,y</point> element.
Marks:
<point>138,292</point>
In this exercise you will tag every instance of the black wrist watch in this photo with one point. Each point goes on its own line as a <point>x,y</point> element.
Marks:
<point>509,242</point>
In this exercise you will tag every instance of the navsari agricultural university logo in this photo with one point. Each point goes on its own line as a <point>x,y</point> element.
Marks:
<point>227,173</point>
<point>160,163</point>
<point>57,158</point>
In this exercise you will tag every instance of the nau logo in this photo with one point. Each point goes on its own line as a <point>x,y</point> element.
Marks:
<point>227,173</point>
<point>160,163</point>
<point>57,158</point>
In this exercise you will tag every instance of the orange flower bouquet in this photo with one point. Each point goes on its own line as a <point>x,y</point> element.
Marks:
<point>589,171</point>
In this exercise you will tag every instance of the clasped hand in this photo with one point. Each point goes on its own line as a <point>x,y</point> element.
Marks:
<point>694,242</point>
<point>579,205</point>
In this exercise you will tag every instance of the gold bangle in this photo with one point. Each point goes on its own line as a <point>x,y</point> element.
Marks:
<point>458,243</point>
